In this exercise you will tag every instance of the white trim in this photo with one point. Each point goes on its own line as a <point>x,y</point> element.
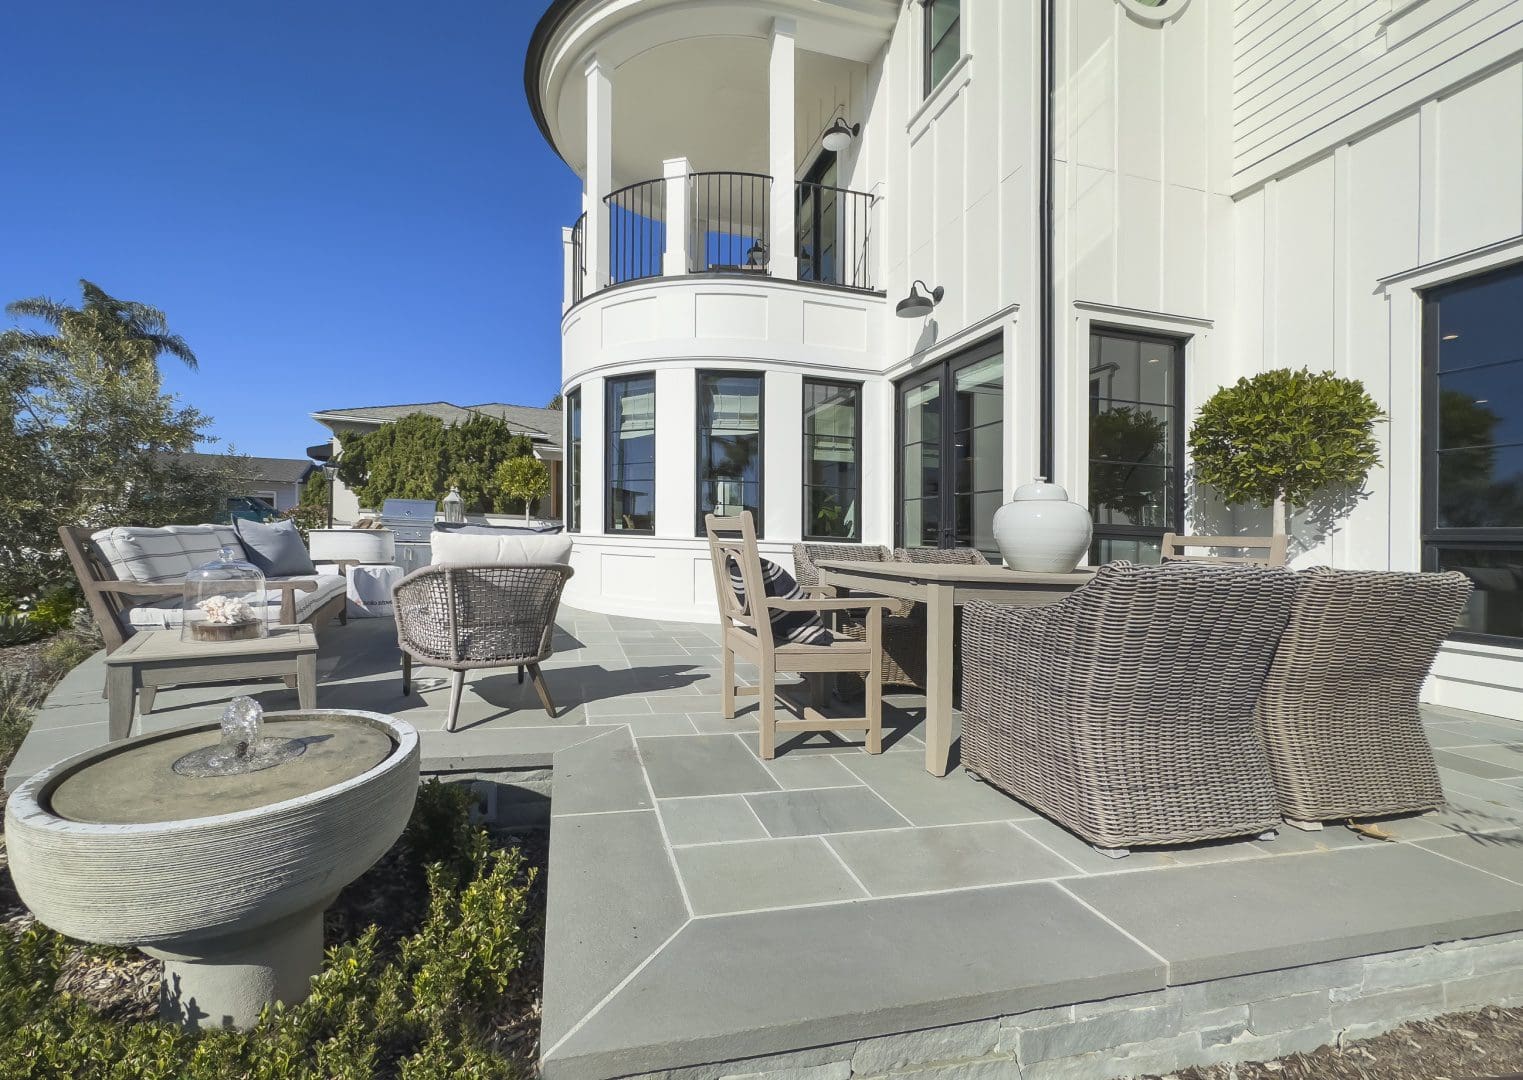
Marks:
<point>952,84</point>
<point>968,335</point>
<point>1452,267</point>
<point>1144,317</point>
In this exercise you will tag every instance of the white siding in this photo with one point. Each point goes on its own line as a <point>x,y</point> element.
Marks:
<point>1308,74</point>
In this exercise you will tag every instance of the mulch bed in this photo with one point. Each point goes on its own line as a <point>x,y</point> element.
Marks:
<point>21,657</point>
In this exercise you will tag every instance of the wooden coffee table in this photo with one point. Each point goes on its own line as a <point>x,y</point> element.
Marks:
<point>150,659</point>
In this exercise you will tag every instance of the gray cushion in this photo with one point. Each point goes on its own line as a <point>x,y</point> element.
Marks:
<point>162,554</point>
<point>275,548</point>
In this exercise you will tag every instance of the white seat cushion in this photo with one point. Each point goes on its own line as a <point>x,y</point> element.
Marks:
<point>164,554</point>
<point>170,613</point>
<point>468,549</point>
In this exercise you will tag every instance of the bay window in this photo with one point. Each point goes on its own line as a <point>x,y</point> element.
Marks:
<point>631,454</point>
<point>729,445</point>
<point>832,460</point>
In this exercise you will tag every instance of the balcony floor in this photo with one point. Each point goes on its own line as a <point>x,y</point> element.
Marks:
<point>706,906</point>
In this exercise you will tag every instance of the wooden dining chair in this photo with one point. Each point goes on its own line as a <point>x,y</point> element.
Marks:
<point>1177,548</point>
<point>749,620</point>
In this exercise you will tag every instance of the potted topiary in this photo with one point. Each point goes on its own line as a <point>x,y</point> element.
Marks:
<point>1287,439</point>
<point>524,478</point>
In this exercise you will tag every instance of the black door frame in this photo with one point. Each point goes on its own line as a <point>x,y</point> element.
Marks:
<point>812,182</point>
<point>943,372</point>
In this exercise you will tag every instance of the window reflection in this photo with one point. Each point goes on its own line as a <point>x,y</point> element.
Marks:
<point>729,445</point>
<point>832,466</point>
<point>632,454</point>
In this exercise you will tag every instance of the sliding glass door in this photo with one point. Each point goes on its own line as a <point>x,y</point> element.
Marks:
<point>951,451</point>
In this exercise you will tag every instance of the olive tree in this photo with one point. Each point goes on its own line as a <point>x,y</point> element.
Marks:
<point>1287,439</point>
<point>524,479</point>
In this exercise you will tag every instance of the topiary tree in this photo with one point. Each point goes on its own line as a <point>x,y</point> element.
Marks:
<point>524,478</point>
<point>1286,439</point>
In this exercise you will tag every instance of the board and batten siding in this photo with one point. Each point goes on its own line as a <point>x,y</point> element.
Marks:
<point>1313,246</point>
<point>1311,74</point>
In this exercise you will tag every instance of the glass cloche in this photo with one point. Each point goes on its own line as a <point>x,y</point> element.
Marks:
<point>224,600</point>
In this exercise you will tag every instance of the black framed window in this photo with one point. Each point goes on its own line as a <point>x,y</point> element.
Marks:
<point>729,444</point>
<point>1136,442</point>
<point>943,40</point>
<point>951,475</point>
<point>631,454</point>
<point>832,460</point>
<point>573,402</point>
<point>1472,441</point>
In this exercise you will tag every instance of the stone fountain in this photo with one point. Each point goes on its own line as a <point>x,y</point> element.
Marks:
<point>215,847</point>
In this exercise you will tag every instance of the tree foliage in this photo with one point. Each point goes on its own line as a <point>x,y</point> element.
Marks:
<point>1286,437</point>
<point>523,480</point>
<point>89,437</point>
<point>1126,440</point>
<point>420,457</point>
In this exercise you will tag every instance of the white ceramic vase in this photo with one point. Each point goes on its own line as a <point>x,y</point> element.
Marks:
<point>1041,530</point>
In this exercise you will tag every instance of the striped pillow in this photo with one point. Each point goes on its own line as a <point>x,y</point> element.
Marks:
<point>788,627</point>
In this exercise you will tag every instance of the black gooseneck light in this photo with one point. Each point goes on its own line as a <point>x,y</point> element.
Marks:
<point>919,304</point>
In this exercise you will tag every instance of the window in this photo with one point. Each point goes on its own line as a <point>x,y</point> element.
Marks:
<point>574,460</point>
<point>729,445</point>
<point>951,451</point>
<point>943,40</point>
<point>631,454</point>
<point>832,460</point>
<point>1136,443</point>
<point>1473,446</point>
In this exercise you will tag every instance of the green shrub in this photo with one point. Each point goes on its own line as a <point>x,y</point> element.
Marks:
<point>422,1008</point>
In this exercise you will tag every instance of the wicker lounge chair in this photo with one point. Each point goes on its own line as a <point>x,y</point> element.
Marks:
<point>1338,715</point>
<point>903,626</point>
<point>1125,712</point>
<point>746,632</point>
<point>468,617</point>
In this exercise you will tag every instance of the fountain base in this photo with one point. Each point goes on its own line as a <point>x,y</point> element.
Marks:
<point>226,982</point>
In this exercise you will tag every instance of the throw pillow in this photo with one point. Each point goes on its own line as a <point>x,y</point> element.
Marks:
<point>275,548</point>
<point>788,627</point>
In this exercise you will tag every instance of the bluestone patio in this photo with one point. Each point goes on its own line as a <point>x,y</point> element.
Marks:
<point>831,914</point>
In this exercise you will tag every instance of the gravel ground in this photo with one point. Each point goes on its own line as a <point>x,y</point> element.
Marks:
<point>20,657</point>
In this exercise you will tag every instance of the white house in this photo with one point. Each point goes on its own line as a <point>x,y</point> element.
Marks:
<point>1118,203</point>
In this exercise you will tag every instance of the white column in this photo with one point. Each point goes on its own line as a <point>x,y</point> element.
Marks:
<point>599,180</point>
<point>676,171</point>
<point>568,269</point>
<point>783,155</point>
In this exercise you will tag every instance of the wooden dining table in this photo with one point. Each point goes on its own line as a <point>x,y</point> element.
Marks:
<point>943,588</point>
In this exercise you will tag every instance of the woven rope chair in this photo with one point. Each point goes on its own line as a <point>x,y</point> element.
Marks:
<point>903,626</point>
<point>469,617</point>
<point>1125,711</point>
<point>1338,715</point>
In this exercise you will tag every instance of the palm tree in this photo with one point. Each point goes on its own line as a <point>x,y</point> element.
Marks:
<point>123,336</point>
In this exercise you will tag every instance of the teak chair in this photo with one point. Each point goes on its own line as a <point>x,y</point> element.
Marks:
<point>1176,548</point>
<point>746,631</point>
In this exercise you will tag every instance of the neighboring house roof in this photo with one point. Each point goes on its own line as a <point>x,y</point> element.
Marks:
<point>542,425</point>
<point>269,470</point>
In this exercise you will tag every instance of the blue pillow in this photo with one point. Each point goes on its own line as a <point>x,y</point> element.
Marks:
<point>276,549</point>
<point>788,627</point>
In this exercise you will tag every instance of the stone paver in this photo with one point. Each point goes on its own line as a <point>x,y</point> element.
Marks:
<point>710,819</point>
<point>953,857</point>
<point>702,765</point>
<point>933,800</point>
<point>722,878</point>
<point>823,810</point>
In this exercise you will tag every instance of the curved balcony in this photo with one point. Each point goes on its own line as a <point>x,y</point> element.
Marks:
<point>720,223</point>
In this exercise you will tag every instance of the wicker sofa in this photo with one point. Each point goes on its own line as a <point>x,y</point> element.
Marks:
<point>1338,714</point>
<point>1125,712</point>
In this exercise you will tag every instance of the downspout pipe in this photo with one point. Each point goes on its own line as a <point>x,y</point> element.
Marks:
<point>1047,361</point>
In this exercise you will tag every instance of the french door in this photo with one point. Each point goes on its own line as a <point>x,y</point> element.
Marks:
<point>951,434</point>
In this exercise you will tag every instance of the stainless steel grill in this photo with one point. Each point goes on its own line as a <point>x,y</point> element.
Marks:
<point>412,520</point>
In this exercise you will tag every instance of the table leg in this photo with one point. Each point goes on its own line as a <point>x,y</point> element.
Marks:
<point>120,680</point>
<point>306,680</point>
<point>938,678</point>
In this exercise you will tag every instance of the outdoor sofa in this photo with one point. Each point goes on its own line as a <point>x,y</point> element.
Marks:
<point>133,578</point>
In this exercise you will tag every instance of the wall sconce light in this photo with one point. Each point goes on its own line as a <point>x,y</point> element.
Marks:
<point>839,134</point>
<point>917,304</point>
<point>756,258</point>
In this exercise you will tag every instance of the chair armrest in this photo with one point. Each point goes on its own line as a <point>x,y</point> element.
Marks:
<point>818,590</point>
<point>845,603</point>
<point>139,588</point>
<point>291,585</point>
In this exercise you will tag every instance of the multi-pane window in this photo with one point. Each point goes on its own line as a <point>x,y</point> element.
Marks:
<point>943,40</point>
<point>1136,443</point>
<point>832,460</point>
<point>729,444</point>
<point>1473,445</point>
<point>631,454</point>
<point>574,460</point>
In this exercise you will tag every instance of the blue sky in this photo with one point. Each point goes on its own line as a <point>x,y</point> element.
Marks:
<point>336,203</point>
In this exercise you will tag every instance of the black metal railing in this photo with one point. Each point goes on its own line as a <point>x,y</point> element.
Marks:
<point>728,218</point>
<point>636,231</point>
<point>578,258</point>
<point>834,228</point>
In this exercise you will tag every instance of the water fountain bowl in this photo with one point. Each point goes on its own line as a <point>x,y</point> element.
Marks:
<point>224,878</point>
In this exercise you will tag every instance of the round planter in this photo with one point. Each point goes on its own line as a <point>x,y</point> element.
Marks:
<point>1041,530</point>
